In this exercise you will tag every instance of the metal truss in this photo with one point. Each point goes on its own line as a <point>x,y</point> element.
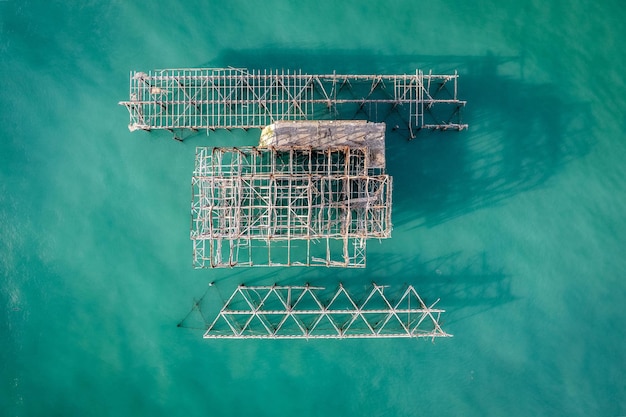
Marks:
<point>238,98</point>
<point>298,312</point>
<point>294,206</point>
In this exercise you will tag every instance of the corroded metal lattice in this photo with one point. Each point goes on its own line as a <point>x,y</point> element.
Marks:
<point>292,312</point>
<point>213,98</point>
<point>287,206</point>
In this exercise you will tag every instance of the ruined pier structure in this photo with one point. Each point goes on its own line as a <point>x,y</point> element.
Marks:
<point>303,312</point>
<point>229,98</point>
<point>311,194</point>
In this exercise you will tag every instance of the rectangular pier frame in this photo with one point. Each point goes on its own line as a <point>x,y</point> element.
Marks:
<point>228,98</point>
<point>294,206</point>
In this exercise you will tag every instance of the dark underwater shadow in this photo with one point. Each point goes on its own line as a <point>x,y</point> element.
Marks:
<point>463,285</point>
<point>466,284</point>
<point>521,133</point>
<point>348,61</point>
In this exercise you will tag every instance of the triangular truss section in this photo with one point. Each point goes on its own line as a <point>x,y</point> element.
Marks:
<point>298,312</point>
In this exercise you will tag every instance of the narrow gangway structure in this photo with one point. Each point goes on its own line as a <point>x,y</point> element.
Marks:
<point>215,98</point>
<point>298,312</point>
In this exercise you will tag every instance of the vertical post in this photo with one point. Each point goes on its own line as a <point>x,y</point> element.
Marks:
<point>289,208</point>
<point>309,208</point>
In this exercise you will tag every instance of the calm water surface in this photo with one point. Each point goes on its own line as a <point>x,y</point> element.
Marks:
<point>517,224</point>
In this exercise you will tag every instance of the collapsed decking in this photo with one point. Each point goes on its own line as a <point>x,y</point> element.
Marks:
<point>329,134</point>
<point>284,204</point>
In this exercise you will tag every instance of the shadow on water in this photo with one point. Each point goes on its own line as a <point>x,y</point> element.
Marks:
<point>346,61</point>
<point>521,135</point>
<point>466,285</point>
<point>521,132</point>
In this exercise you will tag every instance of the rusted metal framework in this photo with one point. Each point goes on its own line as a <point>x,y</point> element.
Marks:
<point>238,98</point>
<point>291,206</point>
<point>300,312</point>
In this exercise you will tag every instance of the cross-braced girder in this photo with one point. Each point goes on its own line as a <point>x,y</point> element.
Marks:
<point>302,312</point>
<point>238,98</point>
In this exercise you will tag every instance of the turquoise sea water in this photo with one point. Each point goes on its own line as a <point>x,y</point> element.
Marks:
<point>517,224</point>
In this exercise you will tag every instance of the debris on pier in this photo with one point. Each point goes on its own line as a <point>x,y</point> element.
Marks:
<point>324,134</point>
